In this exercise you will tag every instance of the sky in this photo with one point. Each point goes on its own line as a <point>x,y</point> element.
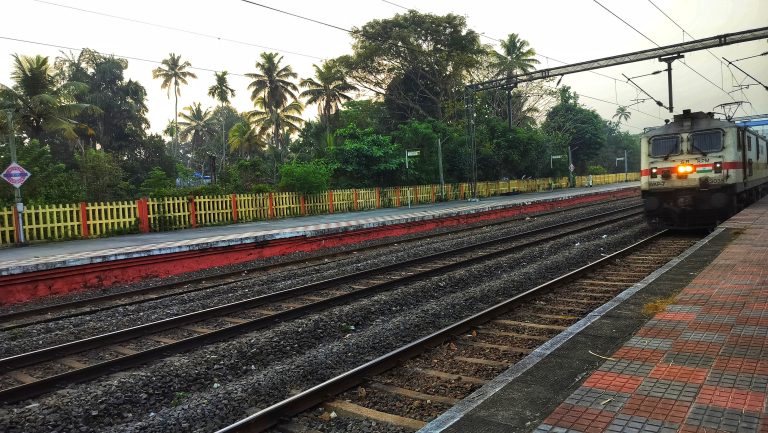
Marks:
<point>230,35</point>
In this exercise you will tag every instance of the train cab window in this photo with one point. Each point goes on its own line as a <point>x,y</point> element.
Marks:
<point>665,145</point>
<point>706,142</point>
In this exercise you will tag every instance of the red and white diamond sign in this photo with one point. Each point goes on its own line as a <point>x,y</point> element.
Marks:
<point>16,174</point>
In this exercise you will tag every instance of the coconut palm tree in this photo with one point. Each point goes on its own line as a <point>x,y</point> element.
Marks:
<point>196,125</point>
<point>174,73</point>
<point>517,57</point>
<point>277,122</point>
<point>272,82</point>
<point>221,91</point>
<point>40,103</point>
<point>622,114</point>
<point>328,89</point>
<point>245,139</point>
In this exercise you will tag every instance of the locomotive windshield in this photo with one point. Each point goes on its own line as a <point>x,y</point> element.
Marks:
<point>706,142</point>
<point>665,146</point>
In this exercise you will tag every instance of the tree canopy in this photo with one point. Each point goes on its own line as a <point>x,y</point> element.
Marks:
<point>82,126</point>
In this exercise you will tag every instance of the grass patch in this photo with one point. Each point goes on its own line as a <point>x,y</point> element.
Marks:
<point>658,306</point>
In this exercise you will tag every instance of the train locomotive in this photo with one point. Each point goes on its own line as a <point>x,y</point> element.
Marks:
<point>697,171</point>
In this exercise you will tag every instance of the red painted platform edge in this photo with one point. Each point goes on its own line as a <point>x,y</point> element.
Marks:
<point>33,285</point>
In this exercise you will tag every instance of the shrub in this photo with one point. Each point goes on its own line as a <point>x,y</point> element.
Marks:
<point>305,177</point>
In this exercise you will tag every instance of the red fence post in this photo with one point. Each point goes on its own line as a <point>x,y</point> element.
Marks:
<point>433,193</point>
<point>397,197</point>
<point>192,212</point>
<point>354,195</point>
<point>330,201</point>
<point>378,197</point>
<point>303,205</point>
<point>271,206</point>
<point>142,211</point>
<point>234,208</point>
<point>84,219</point>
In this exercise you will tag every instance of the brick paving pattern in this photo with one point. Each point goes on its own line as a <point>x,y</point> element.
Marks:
<point>701,365</point>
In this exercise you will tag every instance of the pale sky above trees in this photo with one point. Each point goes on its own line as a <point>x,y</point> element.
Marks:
<point>567,30</point>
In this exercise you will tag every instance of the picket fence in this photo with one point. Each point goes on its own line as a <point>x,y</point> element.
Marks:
<point>83,220</point>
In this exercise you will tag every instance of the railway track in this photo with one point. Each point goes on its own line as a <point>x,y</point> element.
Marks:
<point>29,374</point>
<point>95,304</point>
<point>414,384</point>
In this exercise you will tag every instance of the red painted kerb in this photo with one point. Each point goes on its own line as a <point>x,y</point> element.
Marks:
<point>33,285</point>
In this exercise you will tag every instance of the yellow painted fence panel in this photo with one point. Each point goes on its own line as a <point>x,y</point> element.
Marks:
<point>52,222</point>
<point>112,218</point>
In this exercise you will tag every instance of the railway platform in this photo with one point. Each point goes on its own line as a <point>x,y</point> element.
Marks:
<point>60,267</point>
<point>699,364</point>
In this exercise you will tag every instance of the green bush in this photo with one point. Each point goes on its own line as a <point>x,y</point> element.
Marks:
<point>305,177</point>
<point>596,169</point>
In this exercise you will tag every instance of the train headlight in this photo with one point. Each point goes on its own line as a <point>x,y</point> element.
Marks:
<point>654,172</point>
<point>686,169</point>
<point>718,167</point>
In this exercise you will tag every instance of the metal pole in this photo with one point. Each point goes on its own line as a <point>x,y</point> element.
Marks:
<point>571,182</point>
<point>470,103</point>
<point>626,178</point>
<point>223,142</point>
<point>16,189</point>
<point>407,177</point>
<point>440,167</point>
<point>668,61</point>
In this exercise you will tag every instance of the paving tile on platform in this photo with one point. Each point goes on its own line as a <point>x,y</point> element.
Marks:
<point>689,359</point>
<point>679,373</point>
<point>649,343</point>
<point>642,355</point>
<point>623,366</point>
<point>599,399</point>
<point>546,428</point>
<point>750,331</point>
<point>677,308</point>
<point>668,389</point>
<point>732,398</point>
<point>623,423</point>
<point>622,383</point>
<point>716,318</point>
<point>672,325</point>
<point>667,410</point>
<point>579,418</point>
<point>703,336</point>
<point>722,420</point>
<point>740,379</point>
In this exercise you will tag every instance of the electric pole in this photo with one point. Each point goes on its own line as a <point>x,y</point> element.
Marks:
<point>668,61</point>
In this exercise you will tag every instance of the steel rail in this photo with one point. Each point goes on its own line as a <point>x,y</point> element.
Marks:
<point>18,315</point>
<point>95,370</point>
<point>292,406</point>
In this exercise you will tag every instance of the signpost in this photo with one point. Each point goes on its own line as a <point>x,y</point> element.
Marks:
<point>407,154</point>
<point>16,175</point>
<point>553,157</point>
<point>625,165</point>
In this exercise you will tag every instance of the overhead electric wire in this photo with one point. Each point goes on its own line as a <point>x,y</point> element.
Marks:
<point>139,59</point>
<point>708,50</point>
<point>178,29</point>
<point>752,57</point>
<point>653,42</point>
<point>297,16</point>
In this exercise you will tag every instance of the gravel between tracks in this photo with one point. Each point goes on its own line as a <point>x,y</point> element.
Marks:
<point>211,387</point>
